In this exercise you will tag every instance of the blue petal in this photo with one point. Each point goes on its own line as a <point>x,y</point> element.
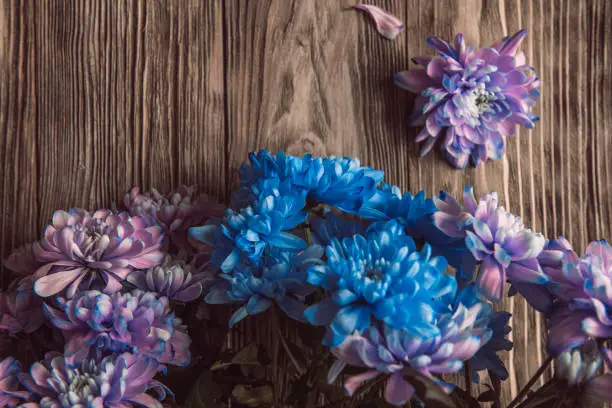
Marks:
<point>205,234</point>
<point>258,304</point>
<point>350,319</point>
<point>286,240</point>
<point>344,297</point>
<point>322,314</point>
<point>238,316</point>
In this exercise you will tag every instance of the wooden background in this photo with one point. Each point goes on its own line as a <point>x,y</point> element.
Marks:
<point>97,96</point>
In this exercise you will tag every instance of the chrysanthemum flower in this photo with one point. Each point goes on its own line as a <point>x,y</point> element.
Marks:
<point>583,287</point>
<point>243,235</point>
<point>118,380</point>
<point>381,277</point>
<point>498,239</point>
<point>82,250</point>
<point>282,281</point>
<point>462,329</point>
<point>471,99</point>
<point>174,279</point>
<point>175,212</point>
<point>11,391</point>
<point>20,308</point>
<point>138,322</point>
<point>338,181</point>
<point>388,203</point>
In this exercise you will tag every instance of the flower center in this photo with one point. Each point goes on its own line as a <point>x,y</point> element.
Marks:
<point>374,273</point>
<point>479,101</point>
<point>82,385</point>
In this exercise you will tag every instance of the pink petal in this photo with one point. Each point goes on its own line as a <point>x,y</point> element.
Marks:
<point>387,24</point>
<point>52,284</point>
<point>398,391</point>
<point>354,382</point>
<point>491,279</point>
<point>511,45</point>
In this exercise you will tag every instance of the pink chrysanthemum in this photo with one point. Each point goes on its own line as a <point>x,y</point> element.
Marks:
<point>175,212</point>
<point>471,99</point>
<point>118,381</point>
<point>81,250</point>
<point>136,322</point>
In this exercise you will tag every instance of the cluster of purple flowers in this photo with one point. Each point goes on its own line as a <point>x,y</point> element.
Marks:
<point>400,283</point>
<point>107,280</point>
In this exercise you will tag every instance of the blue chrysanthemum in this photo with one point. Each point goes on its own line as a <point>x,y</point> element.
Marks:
<point>243,235</point>
<point>382,276</point>
<point>388,203</point>
<point>338,181</point>
<point>281,281</point>
<point>462,330</point>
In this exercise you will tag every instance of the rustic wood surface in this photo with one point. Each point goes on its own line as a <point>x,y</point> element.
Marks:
<point>97,96</point>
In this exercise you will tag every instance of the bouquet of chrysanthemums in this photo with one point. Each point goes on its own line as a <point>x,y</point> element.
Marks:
<point>385,293</point>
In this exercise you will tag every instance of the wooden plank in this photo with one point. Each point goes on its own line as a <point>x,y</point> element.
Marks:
<point>19,215</point>
<point>101,95</point>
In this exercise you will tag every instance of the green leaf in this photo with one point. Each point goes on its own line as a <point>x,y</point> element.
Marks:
<point>428,390</point>
<point>204,393</point>
<point>253,396</point>
<point>252,354</point>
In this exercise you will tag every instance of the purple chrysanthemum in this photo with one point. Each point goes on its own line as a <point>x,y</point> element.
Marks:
<point>498,239</point>
<point>135,322</point>
<point>82,250</point>
<point>174,278</point>
<point>463,331</point>
<point>20,308</point>
<point>471,99</point>
<point>118,381</point>
<point>175,212</point>
<point>583,287</point>
<point>11,392</point>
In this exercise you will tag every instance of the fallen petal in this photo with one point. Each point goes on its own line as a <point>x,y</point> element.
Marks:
<point>387,24</point>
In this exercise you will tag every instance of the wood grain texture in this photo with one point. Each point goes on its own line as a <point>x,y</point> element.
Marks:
<point>98,96</point>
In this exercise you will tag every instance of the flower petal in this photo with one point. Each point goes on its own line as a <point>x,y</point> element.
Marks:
<point>387,24</point>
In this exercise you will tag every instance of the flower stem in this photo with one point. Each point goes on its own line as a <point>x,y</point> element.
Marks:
<point>531,382</point>
<point>467,373</point>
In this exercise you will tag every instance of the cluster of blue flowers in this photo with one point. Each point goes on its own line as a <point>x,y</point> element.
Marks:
<point>379,258</point>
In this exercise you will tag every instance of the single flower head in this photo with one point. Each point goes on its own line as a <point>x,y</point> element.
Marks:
<point>117,380</point>
<point>243,235</point>
<point>175,212</point>
<point>82,250</point>
<point>137,322</point>
<point>282,281</point>
<point>412,212</point>
<point>471,99</point>
<point>11,391</point>
<point>500,242</point>
<point>337,181</point>
<point>384,350</point>
<point>174,279</point>
<point>379,276</point>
